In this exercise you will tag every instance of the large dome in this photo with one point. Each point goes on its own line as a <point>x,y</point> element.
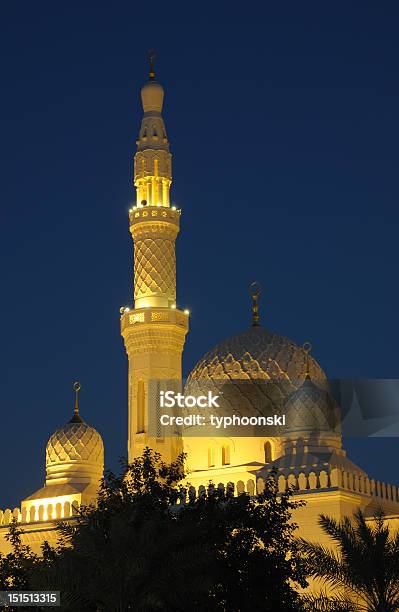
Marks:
<point>253,373</point>
<point>257,354</point>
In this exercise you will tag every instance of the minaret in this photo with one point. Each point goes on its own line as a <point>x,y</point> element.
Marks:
<point>154,331</point>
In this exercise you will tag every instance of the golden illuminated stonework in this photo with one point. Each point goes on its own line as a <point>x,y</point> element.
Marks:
<point>75,451</point>
<point>256,354</point>
<point>75,442</point>
<point>240,369</point>
<point>154,231</point>
<point>74,468</point>
<point>312,411</point>
<point>154,330</point>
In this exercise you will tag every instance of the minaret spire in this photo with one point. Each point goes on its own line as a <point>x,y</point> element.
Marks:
<point>153,161</point>
<point>76,416</point>
<point>255,291</point>
<point>151,57</point>
<point>154,330</point>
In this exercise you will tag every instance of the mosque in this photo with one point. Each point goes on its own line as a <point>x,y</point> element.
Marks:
<point>309,456</point>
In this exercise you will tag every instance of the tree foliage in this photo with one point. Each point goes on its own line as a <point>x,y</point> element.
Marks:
<point>147,545</point>
<point>365,566</point>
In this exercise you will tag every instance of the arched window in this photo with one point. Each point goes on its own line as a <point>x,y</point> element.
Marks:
<point>140,406</point>
<point>67,509</point>
<point>211,457</point>
<point>268,452</point>
<point>226,454</point>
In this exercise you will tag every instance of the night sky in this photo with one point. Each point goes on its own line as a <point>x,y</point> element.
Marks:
<point>283,122</point>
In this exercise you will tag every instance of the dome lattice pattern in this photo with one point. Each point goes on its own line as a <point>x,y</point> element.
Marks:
<point>254,356</point>
<point>75,442</point>
<point>154,267</point>
<point>311,409</point>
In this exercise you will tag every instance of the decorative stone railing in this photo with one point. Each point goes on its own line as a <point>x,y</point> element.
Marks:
<point>48,512</point>
<point>150,316</point>
<point>349,481</point>
<point>313,481</point>
<point>305,482</point>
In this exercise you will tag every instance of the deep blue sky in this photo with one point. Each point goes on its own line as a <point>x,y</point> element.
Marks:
<point>283,121</point>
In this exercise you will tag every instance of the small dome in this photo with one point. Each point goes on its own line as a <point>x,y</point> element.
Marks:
<point>152,97</point>
<point>75,442</point>
<point>311,411</point>
<point>75,452</point>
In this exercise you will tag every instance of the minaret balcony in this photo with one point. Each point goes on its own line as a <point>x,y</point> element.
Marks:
<point>154,213</point>
<point>144,317</point>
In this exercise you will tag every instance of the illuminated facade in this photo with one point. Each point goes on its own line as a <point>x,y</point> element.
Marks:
<point>154,333</point>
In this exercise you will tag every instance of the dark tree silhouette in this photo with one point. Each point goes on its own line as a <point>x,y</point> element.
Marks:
<point>252,547</point>
<point>19,569</point>
<point>149,546</point>
<point>365,566</point>
<point>16,567</point>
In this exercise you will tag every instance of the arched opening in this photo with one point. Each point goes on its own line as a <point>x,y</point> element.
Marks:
<point>267,447</point>
<point>211,457</point>
<point>251,487</point>
<point>140,406</point>
<point>226,454</point>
